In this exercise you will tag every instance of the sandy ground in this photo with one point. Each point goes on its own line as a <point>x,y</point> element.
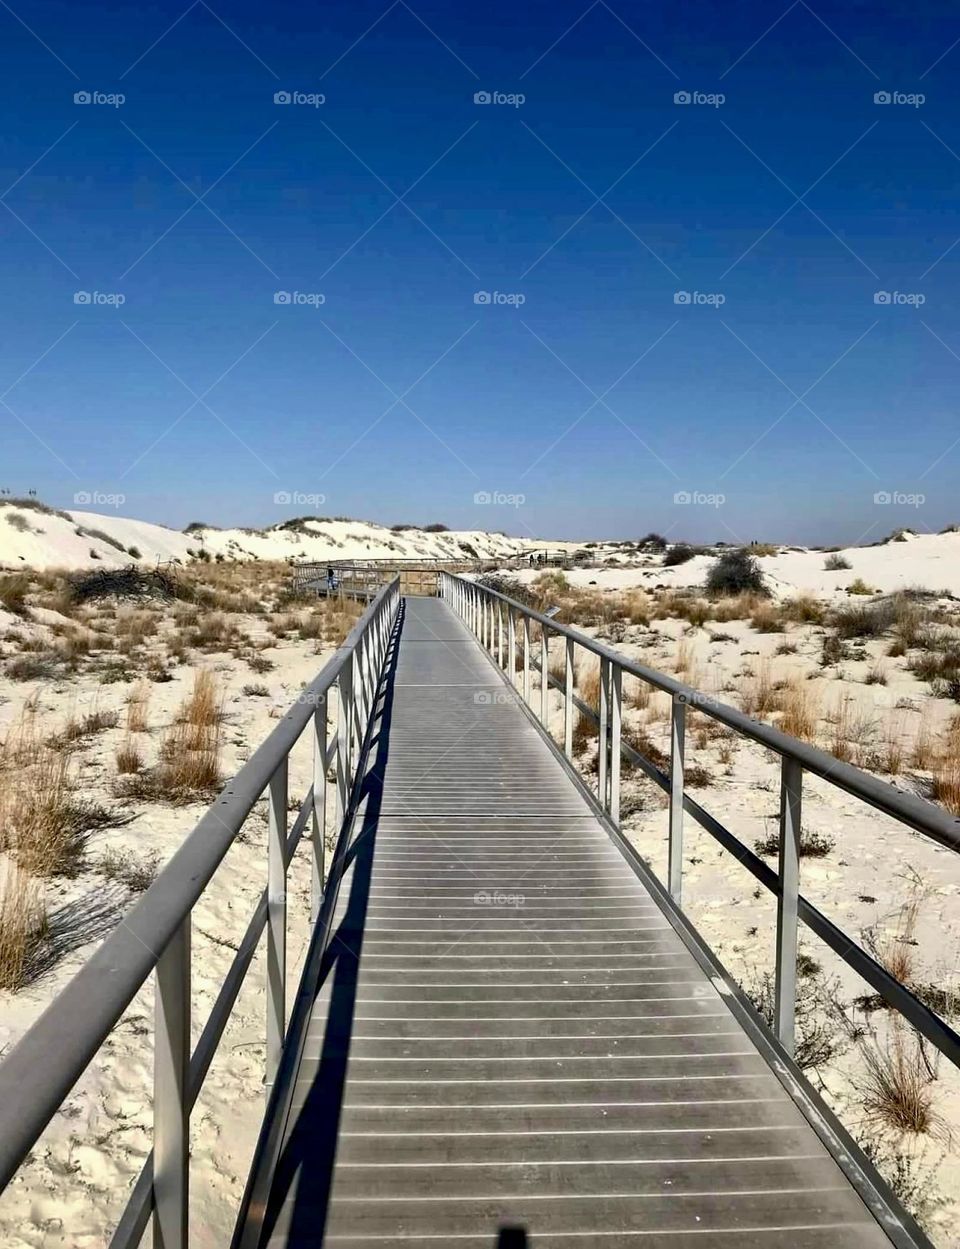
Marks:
<point>76,539</point>
<point>870,871</point>
<point>929,561</point>
<point>75,1184</point>
<point>73,1188</point>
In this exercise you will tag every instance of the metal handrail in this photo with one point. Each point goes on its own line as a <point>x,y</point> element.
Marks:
<point>493,618</point>
<point>38,1074</point>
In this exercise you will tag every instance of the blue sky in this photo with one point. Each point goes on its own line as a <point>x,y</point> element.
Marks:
<point>781,395</point>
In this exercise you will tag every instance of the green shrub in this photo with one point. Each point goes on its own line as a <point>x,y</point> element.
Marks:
<point>736,572</point>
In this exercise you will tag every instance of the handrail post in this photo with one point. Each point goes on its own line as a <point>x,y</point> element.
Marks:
<point>602,740</point>
<point>785,999</point>
<point>171,1116</point>
<point>499,635</point>
<point>616,726</point>
<point>678,722</point>
<point>276,918</point>
<point>319,808</point>
<point>568,702</point>
<point>544,676</point>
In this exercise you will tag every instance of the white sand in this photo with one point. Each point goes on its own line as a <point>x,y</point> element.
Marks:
<point>48,540</point>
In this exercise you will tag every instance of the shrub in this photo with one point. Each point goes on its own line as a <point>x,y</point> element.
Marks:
<point>653,542</point>
<point>436,528</point>
<point>32,667</point>
<point>680,553</point>
<point>859,586</point>
<point>736,572</point>
<point>836,563</point>
<point>813,845</point>
<point>120,865</point>
<point>18,522</point>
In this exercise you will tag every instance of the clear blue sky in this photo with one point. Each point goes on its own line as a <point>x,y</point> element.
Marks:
<point>596,399</point>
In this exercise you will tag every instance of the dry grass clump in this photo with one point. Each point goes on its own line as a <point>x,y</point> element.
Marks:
<point>803,609</point>
<point>13,594</point>
<point>43,824</point>
<point>204,707</point>
<point>767,618</point>
<point>684,658</point>
<point>189,768</point>
<point>898,1081</point>
<point>799,705</point>
<point>23,929</point>
<point>636,693</point>
<point>137,705</point>
<point>33,667</point>
<point>758,694</point>
<point>121,865</point>
<point>946,769</point>
<point>851,731</point>
<point>587,688</point>
<point>737,606</point>
<point>76,730</point>
<point>129,758</point>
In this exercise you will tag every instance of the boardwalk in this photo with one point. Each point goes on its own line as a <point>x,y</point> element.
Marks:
<point>512,1045</point>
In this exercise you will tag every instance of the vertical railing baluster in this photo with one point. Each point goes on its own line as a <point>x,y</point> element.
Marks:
<point>512,646</point>
<point>171,1116</point>
<point>526,659</point>
<point>675,851</point>
<point>568,701</point>
<point>319,807</point>
<point>602,739</point>
<point>616,725</point>
<point>344,755</point>
<point>499,635</point>
<point>544,676</point>
<point>788,886</point>
<point>276,918</point>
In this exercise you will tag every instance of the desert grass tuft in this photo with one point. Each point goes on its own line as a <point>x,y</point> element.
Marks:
<point>23,929</point>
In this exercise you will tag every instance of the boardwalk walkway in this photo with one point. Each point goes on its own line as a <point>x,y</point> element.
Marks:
<point>512,1045</point>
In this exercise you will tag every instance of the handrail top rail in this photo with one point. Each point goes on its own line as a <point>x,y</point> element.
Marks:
<point>921,816</point>
<point>38,1073</point>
